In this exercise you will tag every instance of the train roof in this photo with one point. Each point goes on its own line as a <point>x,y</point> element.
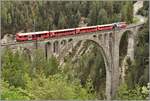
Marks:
<point>31,33</point>
<point>60,30</point>
<point>106,25</point>
<point>86,27</point>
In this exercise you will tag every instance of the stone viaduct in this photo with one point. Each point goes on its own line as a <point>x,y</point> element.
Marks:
<point>108,42</point>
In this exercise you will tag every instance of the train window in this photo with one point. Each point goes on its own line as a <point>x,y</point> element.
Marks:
<point>29,37</point>
<point>38,35</point>
<point>25,36</point>
<point>20,37</point>
<point>59,32</point>
<point>32,36</point>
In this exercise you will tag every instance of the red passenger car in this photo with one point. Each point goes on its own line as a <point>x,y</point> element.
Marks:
<point>63,32</point>
<point>86,29</point>
<point>32,36</point>
<point>105,27</point>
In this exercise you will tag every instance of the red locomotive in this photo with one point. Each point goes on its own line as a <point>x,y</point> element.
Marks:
<point>41,35</point>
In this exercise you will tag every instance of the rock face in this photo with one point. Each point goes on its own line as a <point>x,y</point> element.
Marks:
<point>8,38</point>
<point>137,6</point>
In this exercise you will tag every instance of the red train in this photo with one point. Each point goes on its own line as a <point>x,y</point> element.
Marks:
<point>41,35</point>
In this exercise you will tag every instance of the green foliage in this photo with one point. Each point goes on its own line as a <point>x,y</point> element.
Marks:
<point>138,93</point>
<point>102,17</point>
<point>56,87</point>
<point>46,15</point>
<point>48,82</point>
<point>137,73</point>
<point>14,68</point>
<point>52,67</point>
<point>127,12</point>
<point>136,20</point>
<point>10,92</point>
<point>141,65</point>
<point>89,66</point>
<point>40,64</point>
<point>85,79</point>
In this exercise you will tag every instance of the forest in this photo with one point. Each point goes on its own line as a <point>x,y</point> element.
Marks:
<point>23,78</point>
<point>44,15</point>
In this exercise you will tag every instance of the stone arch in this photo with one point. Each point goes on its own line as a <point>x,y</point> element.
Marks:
<point>105,37</point>
<point>129,35</point>
<point>111,34</point>
<point>47,49</point>
<point>55,47</point>
<point>63,42</point>
<point>101,48</point>
<point>123,32</point>
<point>70,40</point>
<point>107,68</point>
<point>100,36</point>
<point>94,36</point>
<point>48,44</point>
<point>126,51</point>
